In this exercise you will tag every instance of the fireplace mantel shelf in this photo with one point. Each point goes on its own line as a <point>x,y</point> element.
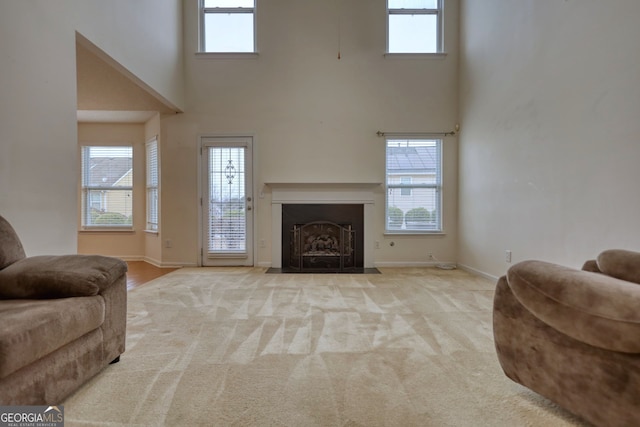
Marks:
<point>321,184</point>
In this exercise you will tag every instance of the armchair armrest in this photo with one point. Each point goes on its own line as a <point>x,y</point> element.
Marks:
<point>593,308</point>
<point>61,276</point>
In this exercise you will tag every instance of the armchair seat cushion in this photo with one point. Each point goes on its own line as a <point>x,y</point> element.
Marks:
<point>31,329</point>
<point>593,308</point>
<point>62,276</point>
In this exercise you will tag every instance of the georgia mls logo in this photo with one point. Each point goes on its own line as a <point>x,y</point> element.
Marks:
<point>31,416</point>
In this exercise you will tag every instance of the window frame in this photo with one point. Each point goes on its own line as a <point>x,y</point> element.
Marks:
<point>203,11</point>
<point>151,184</point>
<point>85,190</point>
<point>437,186</point>
<point>438,11</point>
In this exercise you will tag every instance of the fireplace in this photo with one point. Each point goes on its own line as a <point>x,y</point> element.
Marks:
<point>322,237</point>
<point>289,199</point>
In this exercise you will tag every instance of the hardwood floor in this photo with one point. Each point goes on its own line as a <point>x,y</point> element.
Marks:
<point>141,272</point>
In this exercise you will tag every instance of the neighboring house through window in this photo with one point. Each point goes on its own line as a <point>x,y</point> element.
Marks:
<point>414,26</point>
<point>107,186</point>
<point>414,185</point>
<point>152,184</point>
<point>227,26</point>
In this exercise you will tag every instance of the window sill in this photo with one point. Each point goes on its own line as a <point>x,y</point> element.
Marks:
<point>113,230</point>
<point>434,55</point>
<point>414,233</point>
<point>227,55</point>
<point>156,232</point>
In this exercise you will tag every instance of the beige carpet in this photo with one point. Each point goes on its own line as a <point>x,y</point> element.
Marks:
<point>237,347</point>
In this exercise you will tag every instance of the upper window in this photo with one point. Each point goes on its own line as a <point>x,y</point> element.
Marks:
<point>153,184</point>
<point>107,186</point>
<point>414,26</point>
<point>414,185</point>
<point>227,26</point>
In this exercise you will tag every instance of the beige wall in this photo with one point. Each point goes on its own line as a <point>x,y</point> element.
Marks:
<point>38,128</point>
<point>314,117</point>
<point>550,100</point>
<point>125,244</point>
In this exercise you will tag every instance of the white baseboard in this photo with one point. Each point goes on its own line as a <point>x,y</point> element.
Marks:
<point>157,263</point>
<point>477,272</point>
<point>400,264</point>
<point>264,264</point>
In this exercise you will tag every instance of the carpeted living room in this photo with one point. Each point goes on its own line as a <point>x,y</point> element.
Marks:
<point>236,346</point>
<point>334,213</point>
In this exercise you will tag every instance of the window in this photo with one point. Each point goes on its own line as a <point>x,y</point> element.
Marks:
<point>227,26</point>
<point>414,26</point>
<point>107,186</point>
<point>152,185</point>
<point>414,185</point>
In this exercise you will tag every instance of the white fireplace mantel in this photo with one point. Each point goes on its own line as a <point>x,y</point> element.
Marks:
<point>322,193</point>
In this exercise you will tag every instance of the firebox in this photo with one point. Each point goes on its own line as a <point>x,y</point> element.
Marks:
<point>322,245</point>
<point>322,237</point>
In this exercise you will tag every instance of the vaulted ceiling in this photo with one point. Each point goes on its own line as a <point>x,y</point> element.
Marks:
<point>107,94</point>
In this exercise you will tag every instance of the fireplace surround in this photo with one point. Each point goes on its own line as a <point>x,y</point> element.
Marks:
<point>323,197</point>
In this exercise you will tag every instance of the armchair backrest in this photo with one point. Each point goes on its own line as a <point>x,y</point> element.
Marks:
<point>11,249</point>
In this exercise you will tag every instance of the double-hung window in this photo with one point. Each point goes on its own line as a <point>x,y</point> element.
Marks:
<point>107,187</point>
<point>227,26</point>
<point>414,26</point>
<point>414,185</point>
<point>153,184</point>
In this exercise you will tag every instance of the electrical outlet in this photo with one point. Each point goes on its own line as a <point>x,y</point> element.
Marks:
<point>263,244</point>
<point>507,256</point>
<point>168,243</point>
<point>377,244</point>
<point>430,256</point>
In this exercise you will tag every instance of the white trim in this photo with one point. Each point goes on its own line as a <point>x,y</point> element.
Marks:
<point>438,11</point>
<point>155,262</point>
<point>202,12</point>
<point>238,139</point>
<point>227,55</point>
<point>399,264</point>
<point>477,272</point>
<point>425,55</point>
<point>102,229</point>
<point>361,193</point>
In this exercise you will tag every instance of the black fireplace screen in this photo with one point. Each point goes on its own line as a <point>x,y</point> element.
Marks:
<point>322,246</point>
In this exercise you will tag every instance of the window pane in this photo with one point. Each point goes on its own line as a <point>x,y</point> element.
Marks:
<point>228,32</point>
<point>413,33</point>
<point>108,166</point>
<point>107,181</point>
<point>227,222</point>
<point>152,209</point>
<point>152,164</point>
<point>228,3</point>
<point>413,185</point>
<point>108,208</point>
<point>413,4</point>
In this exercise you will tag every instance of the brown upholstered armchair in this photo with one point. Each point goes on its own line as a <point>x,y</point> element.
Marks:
<point>573,336</point>
<point>62,320</point>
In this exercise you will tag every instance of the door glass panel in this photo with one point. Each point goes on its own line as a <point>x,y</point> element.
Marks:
<point>227,200</point>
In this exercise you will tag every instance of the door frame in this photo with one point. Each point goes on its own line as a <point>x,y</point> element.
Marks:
<point>203,139</point>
